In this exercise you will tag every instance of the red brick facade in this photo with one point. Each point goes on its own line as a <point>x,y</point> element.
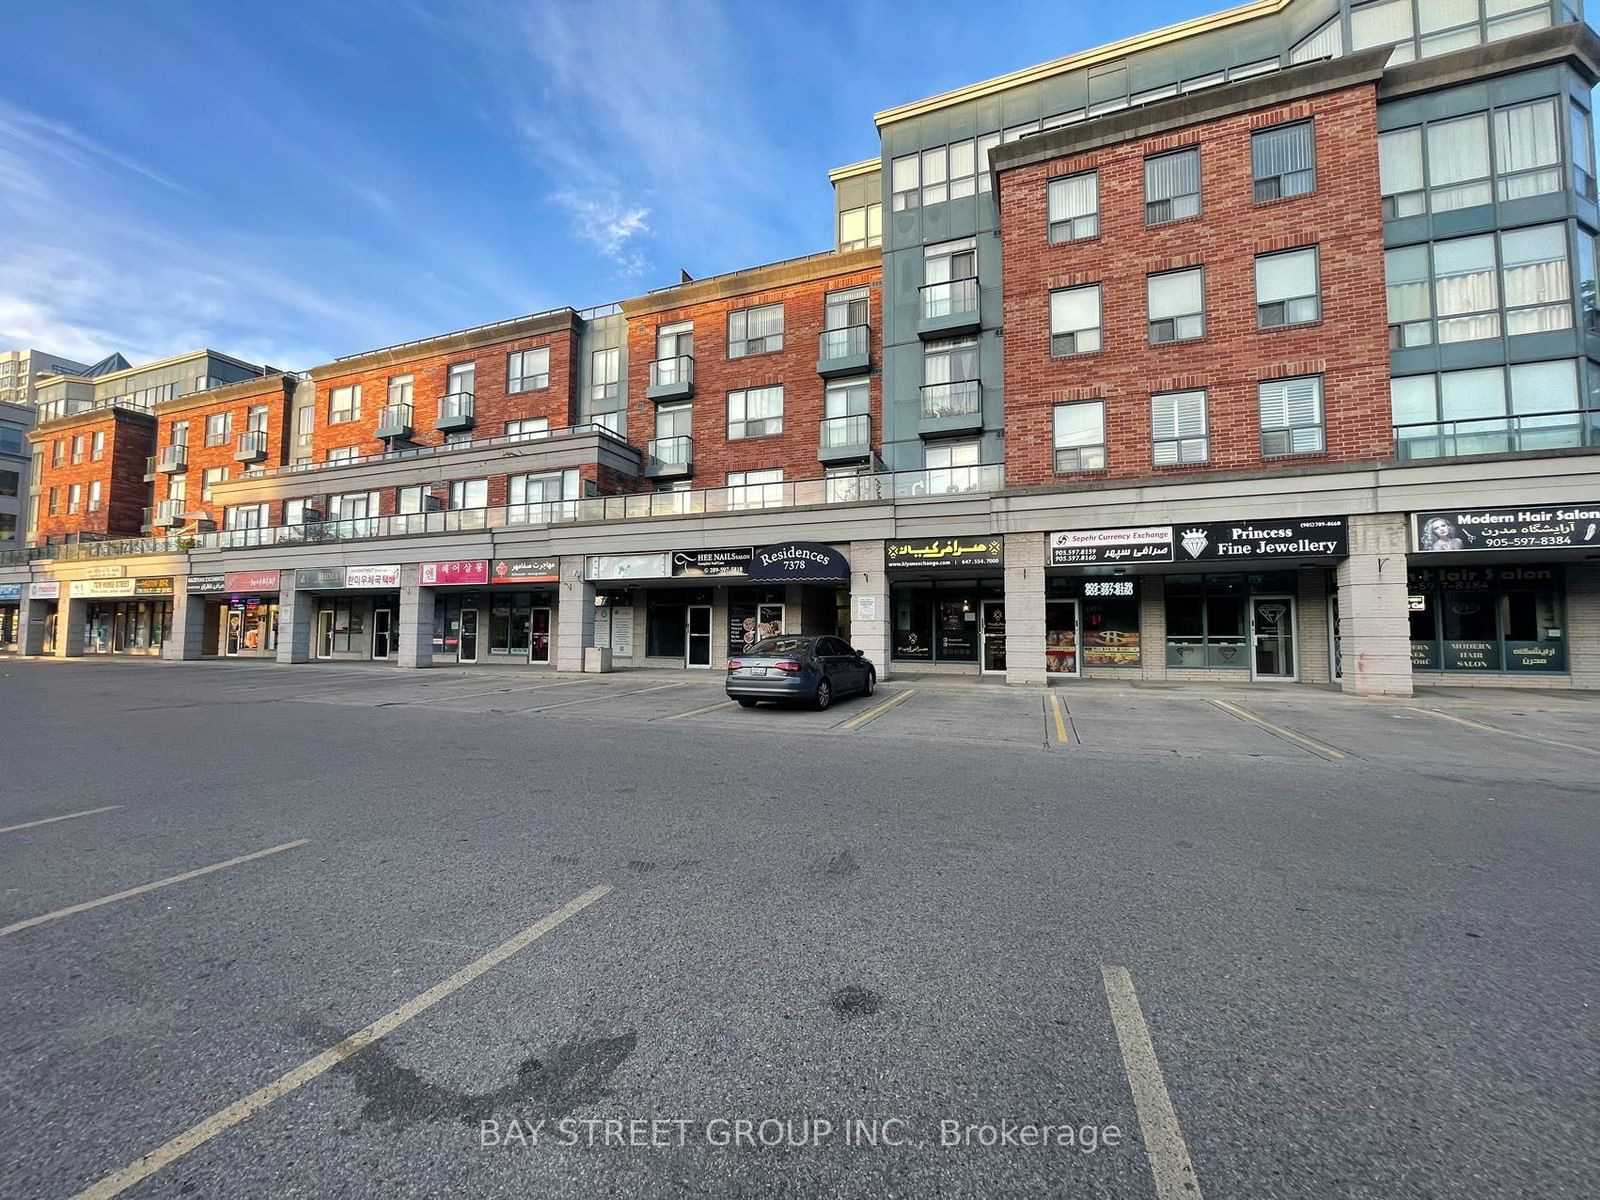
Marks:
<point>128,440</point>
<point>794,367</point>
<point>273,392</point>
<point>1348,347</point>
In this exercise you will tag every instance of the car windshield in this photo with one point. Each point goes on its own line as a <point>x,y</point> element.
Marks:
<point>781,645</point>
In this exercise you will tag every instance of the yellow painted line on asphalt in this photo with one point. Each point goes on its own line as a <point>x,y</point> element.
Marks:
<point>1168,1153</point>
<point>1321,749</point>
<point>88,812</point>
<point>1060,716</point>
<point>75,909</point>
<point>693,712</point>
<point>242,1110</point>
<point>660,687</point>
<point>872,714</point>
<point>1524,737</point>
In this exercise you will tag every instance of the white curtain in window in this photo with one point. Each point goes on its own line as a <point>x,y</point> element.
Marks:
<point>1170,175</point>
<point>1536,272</point>
<point>1282,150</point>
<point>1080,425</point>
<point>1458,152</point>
<point>1446,14</point>
<point>1544,387</point>
<point>1075,196</point>
<point>1286,276</point>
<point>904,173</point>
<point>1174,294</point>
<point>1075,309</point>
<point>1380,24</point>
<point>1400,161</point>
<point>1406,271</point>
<point>1464,280</point>
<point>1412,399</point>
<point>1525,139</point>
<point>765,322</point>
<point>1466,394</point>
<point>1327,42</point>
<point>1178,414</point>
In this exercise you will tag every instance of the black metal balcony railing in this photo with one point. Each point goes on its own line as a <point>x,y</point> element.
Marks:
<point>851,341</point>
<point>1508,434</point>
<point>671,452</point>
<point>846,433</point>
<point>457,406</point>
<point>960,398</point>
<point>672,372</point>
<point>950,298</point>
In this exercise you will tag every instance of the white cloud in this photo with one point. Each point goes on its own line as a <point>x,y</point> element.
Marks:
<point>610,225</point>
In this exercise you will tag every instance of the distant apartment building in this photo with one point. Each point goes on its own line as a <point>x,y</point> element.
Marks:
<point>21,370</point>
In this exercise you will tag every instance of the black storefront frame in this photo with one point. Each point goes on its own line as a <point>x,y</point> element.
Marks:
<point>938,630</point>
<point>1497,654</point>
<point>1097,616</point>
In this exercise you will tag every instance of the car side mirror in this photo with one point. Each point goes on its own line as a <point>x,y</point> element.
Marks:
<point>859,653</point>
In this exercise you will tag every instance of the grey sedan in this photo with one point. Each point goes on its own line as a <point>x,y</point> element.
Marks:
<point>809,668</point>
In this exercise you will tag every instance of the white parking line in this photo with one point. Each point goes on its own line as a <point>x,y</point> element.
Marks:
<point>242,1110</point>
<point>1320,749</point>
<point>693,712</point>
<point>1524,737</point>
<point>872,714</point>
<point>1163,1139</point>
<point>88,812</point>
<point>73,910</point>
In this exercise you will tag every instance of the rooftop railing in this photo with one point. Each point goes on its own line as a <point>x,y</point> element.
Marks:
<point>1503,434</point>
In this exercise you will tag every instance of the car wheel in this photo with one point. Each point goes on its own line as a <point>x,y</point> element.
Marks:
<point>824,696</point>
<point>872,682</point>
<point>743,703</point>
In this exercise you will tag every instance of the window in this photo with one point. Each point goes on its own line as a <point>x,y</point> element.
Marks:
<point>1448,25</point>
<point>1206,618</point>
<point>57,452</point>
<point>843,310</point>
<point>256,419</point>
<point>861,227</point>
<point>1536,279</point>
<point>1327,42</point>
<point>950,385</point>
<point>949,466</point>
<point>55,501</point>
<point>1582,150</point>
<point>344,403</point>
<point>986,143</point>
<point>615,423</point>
<point>1410,297</point>
<point>1075,321</point>
<point>462,379</point>
<point>1178,428</point>
<point>94,495</point>
<point>673,421</point>
<point>409,501</point>
<point>755,330</point>
<point>74,498</point>
<point>469,493</point>
<point>529,427</point>
<point>219,427</point>
<point>548,488</point>
<point>1283,161</point>
<point>527,370</point>
<point>949,172</point>
<point>1467,412</point>
<point>178,488</point>
<point>1074,207</point>
<point>97,445</point>
<point>949,278</point>
<point>1382,24</point>
<point>755,489</point>
<point>1080,437</point>
<point>77,448</point>
<point>1458,163</point>
<point>10,483</point>
<point>339,454</point>
<point>244,516</point>
<point>1466,294</point>
<point>1527,151</point>
<point>1400,174</point>
<point>305,423</point>
<point>1172,187</point>
<point>212,477</point>
<point>12,438</point>
<point>1176,304</point>
<point>1291,416</point>
<point>1286,288</point>
<point>755,412</point>
<point>674,343</point>
<point>401,389</point>
<point>352,506</point>
<point>904,178</point>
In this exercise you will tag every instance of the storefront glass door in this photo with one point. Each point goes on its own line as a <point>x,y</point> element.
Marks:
<point>381,618</point>
<point>539,635</point>
<point>994,637</point>
<point>697,627</point>
<point>325,633</point>
<point>467,645</point>
<point>235,632</point>
<point>1272,637</point>
<point>1061,637</point>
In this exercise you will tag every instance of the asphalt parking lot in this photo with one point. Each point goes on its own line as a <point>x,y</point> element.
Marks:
<point>340,931</point>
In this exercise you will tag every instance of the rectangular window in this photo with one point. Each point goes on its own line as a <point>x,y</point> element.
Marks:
<point>1075,321</point>
<point>861,227</point>
<point>1383,24</point>
<point>755,330</point>
<point>97,445</point>
<point>1283,161</point>
<point>409,501</point>
<point>55,501</point>
<point>1465,292</point>
<point>904,181</point>
<point>605,374</point>
<point>1178,428</point>
<point>74,498</point>
<point>94,495</point>
<point>219,428</point>
<point>755,489</point>
<point>1410,296</point>
<point>256,419</point>
<point>1536,279</point>
<point>1582,150</point>
<point>529,427</point>
<point>177,487</point>
<point>1074,207</point>
<point>244,516</point>
<point>1527,150</point>
<point>1291,416</point>
<point>212,477</point>
<point>528,370</point>
<point>1172,186</point>
<point>469,493</point>
<point>352,506</point>
<point>57,452</point>
<point>548,488</point>
<point>1286,288</point>
<point>1206,620</point>
<point>10,483</point>
<point>1458,163</point>
<point>462,379</point>
<point>755,412</point>
<point>339,454</point>
<point>401,389</point>
<point>986,143</point>
<point>1080,437</point>
<point>344,403</point>
<point>77,448</point>
<point>847,398</point>
<point>963,169</point>
<point>1400,176</point>
<point>1176,305</point>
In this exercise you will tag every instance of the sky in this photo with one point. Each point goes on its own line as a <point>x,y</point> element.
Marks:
<point>291,181</point>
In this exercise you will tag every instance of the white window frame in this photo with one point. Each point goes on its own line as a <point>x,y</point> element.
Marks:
<point>1286,427</point>
<point>740,423</point>
<point>1180,324</point>
<point>1079,450</point>
<point>344,404</point>
<point>1174,442</point>
<point>1292,308</point>
<point>528,370</point>
<point>1070,332</point>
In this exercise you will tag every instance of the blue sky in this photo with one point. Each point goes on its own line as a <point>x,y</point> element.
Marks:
<point>291,181</point>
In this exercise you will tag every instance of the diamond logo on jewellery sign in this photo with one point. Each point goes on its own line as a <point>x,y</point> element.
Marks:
<point>1194,541</point>
<point>1271,613</point>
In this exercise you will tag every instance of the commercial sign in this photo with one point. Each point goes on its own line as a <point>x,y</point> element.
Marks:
<point>450,574</point>
<point>1538,527</point>
<point>205,585</point>
<point>319,578</point>
<point>105,571</point>
<point>712,562</point>
<point>251,581</point>
<point>367,578</point>
<point>525,570</point>
<point>1144,543</point>
<point>799,562</point>
<point>49,589</point>
<point>626,566</point>
<point>161,586</point>
<point>100,589</point>
<point>10,591</point>
<point>944,554</point>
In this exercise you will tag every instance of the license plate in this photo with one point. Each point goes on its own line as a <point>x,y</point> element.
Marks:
<point>755,670</point>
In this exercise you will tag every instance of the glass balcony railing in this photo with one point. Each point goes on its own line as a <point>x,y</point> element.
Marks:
<point>252,446</point>
<point>457,406</point>
<point>394,420</point>
<point>671,452</point>
<point>447,448</point>
<point>949,299</point>
<point>672,372</point>
<point>173,458</point>
<point>959,398</point>
<point>849,342</point>
<point>1504,434</point>
<point>846,433</point>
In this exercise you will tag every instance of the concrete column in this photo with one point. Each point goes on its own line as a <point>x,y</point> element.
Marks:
<point>1152,627</point>
<point>1583,624</point>
<point>188,625</point>
<point>69,625</point>
<point>575,630</point>
<point>1311,611</point>
<point>414,637</point>
<point>1374,622</point>
<point>870,614</point>
<point>295,619</point>
<point>720,603</point>
<point>31,617</point>
<point>1025,559</point>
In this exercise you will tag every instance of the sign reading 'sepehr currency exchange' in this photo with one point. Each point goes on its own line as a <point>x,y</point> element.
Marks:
<point>1537,527</point>
<point>1221,541</point>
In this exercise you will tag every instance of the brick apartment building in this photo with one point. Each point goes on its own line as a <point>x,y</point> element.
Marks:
<point>1258,347</point>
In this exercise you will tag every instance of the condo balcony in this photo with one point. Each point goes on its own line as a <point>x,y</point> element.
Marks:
<point>955,407</point>
<point>251,446</point>
<point>394,421</point>
<point>845,439</point>
<point>671,378</point>
<point>948,309</point>
<point>670,458</point>
<point>172,459</point>
<point>844,351</point>
<point>456,412</point>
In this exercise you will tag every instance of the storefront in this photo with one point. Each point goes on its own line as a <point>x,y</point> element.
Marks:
<point>1194,601</point>
<point>44,599</point>
<point>493,612</point>
<point>947,603</point>
<point>10,616</point>
<point>241,613</point>
<point>359,616</point>
<point>125,616</point>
